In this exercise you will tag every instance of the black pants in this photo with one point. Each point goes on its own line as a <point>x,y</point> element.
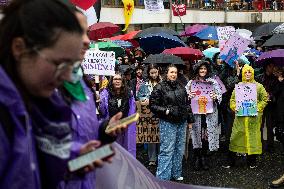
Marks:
<point>270,124</point>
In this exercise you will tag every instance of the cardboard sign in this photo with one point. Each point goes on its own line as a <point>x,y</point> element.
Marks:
<point>233,49</point>
<point>224,33</point>
<point>246,99</point>
<point>202,103</point>
<point>98,62</point>
<point>147,125</point>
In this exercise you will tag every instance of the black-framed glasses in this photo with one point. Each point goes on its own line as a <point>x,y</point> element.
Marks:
<point>61,66</point>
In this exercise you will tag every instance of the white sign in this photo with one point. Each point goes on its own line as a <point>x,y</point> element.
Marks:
<point>154,6</point>
<point>98,62</point>
<point>224,33</point>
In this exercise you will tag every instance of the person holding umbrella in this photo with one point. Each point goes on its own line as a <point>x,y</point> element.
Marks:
<point>169,102</point>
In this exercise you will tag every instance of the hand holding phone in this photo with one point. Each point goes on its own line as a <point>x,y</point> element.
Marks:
<point>89,158</point>
<point>122,123</point>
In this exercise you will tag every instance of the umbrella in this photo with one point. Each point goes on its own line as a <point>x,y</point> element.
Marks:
<point>279,29</point>
<point>243,59</point>
<point>191,30</point>
<point>244,33</point>
<point>274,56</point>
<point>275,40</point>
<point>208,33</point>
<point>102,30</point>
<point>152,30</point>
<point>185,53</point>
<point>130,35</point>
<point>117,37</point>
<point>210,52</point>
<point>109,46</point>
<point>86,4</point>
<point>156,43</point>
<point>265,29</point>
<point>123,44</point>
<point>163,59</point>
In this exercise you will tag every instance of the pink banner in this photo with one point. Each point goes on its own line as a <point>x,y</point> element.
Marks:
<point>202,103</point>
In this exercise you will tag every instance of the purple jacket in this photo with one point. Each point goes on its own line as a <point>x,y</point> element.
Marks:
<point>18,161</point>
<point>127,139</point>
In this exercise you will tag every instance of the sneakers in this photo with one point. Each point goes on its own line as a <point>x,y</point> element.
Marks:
<point>252,166</point>
<point>152,163</point>
<point>226,166</point>
<point>179,179</point>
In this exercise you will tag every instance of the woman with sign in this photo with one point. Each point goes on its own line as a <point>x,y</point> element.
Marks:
<point>168,101</point>
<point>203,91</point>
<point>246,134</point>
<point>143,95</point>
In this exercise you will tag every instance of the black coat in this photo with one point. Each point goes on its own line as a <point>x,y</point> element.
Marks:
<point>172,96</point>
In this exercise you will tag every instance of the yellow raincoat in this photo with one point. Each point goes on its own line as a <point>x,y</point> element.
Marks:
<point>246,134</point>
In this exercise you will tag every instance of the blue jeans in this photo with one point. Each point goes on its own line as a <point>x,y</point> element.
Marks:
<point>172,138</point>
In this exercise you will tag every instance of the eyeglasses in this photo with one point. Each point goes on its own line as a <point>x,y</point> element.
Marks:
<point>62,66</point>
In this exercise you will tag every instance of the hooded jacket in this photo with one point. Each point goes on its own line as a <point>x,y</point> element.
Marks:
<point>246,135</point>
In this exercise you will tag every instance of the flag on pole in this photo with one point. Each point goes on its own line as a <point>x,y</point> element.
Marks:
<point>83,4</point>
<point>128,10</point>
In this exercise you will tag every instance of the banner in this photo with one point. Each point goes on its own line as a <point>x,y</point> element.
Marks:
<point>233,49</point>
<point>154,6</point>
<point>246,99</point>
<point>147,130</point>
<point>128,11</point>
<point>224,33</point>
<point>179,10</point>
<point>221,84</point>
<point>202,103</point>
<point>98,62</point>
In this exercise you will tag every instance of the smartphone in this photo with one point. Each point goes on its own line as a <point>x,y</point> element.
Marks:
<point>125,121</point>
<point>89,158</point>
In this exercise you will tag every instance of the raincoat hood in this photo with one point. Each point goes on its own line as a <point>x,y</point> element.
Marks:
<point>244,70</point>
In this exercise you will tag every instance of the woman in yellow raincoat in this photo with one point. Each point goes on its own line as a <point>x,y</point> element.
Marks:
<point>246,134</point>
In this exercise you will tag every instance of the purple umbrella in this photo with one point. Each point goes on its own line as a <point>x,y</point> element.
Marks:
<point>191,30</point>
<point>275,56</point>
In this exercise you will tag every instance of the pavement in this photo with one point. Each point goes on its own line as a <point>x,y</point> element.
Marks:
<point>270,166</point>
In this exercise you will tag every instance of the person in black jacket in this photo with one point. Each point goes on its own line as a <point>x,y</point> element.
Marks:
<point>169,102</point>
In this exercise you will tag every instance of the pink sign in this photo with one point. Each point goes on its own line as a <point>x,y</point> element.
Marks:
<point>202,103</point>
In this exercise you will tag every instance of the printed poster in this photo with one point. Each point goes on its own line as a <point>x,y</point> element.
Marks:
<point>147,130</point>
<point>202,103</point>
<point>98,62</point>
<point>246,99</point>
<point>154,6</point>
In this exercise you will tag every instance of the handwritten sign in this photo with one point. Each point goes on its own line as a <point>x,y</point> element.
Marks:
<point>154,6</point>
<point>147,125</point>
<point>221,84</point>
<point>98,62</point>
<point>224,33</point>
<point>202,103</point>
<point>246,99</point>
<point>233,49</point>
<point>179,10</point>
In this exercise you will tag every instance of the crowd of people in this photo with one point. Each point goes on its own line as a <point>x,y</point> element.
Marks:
<point>50,112</point>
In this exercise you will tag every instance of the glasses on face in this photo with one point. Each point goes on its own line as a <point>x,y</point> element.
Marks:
<point>61,66</point>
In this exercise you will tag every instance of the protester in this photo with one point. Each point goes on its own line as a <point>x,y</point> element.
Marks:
<point>136,82</point>
<point>168,101</point>
<point>246,135</point>
<point>143,96</point>
<point>278,93</point>
<point>118,98</point>
<point>205,130</point>
<point>40,44</point>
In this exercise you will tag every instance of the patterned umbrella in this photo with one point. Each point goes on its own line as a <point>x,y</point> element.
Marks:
<point>275,40</point>
<point>191,30</point>
<point>279,29</point>
<point>209,33</point>
<point>102,30</point>
<point>123,44</point>
<point>265,29</point>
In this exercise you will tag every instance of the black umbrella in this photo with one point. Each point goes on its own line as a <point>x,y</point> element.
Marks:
<point>163,59</point>
<point>152,30</point>
<point>265,29</point>
<point>275,40</point>
<point>279,29</point>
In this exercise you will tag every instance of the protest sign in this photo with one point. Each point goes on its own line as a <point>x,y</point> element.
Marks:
<point>202,103</point>
<point>221,84</point>
<point>233,49</point>
<point>147,125</point>
<point>154,6</point>
<point>179,9</point>
<point>246,99</point>
<point>98,62</point>
<point>224,33</point>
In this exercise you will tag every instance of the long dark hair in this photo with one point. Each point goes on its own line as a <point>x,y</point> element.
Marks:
<point>198,66</point>
<point>153,66</point>
<point>124,90</point>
